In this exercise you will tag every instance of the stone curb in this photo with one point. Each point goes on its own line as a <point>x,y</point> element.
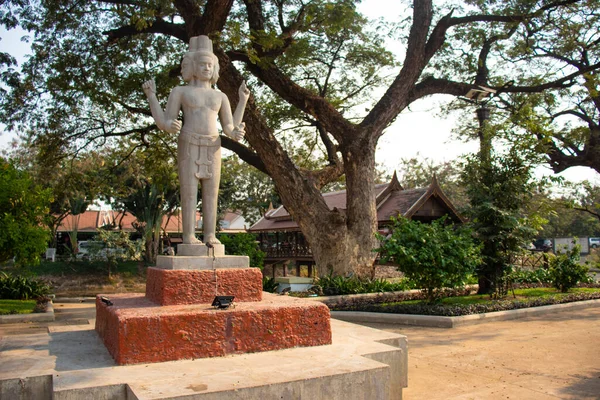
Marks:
<point>47,316</point>
<point>434,321</point>
<point>75,300</point>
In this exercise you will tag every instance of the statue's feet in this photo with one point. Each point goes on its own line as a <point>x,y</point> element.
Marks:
<point>212,239</point>
<point>191,240</point>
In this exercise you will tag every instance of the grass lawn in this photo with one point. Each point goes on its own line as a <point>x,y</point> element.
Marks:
<point>16,306</point>
<point>520,294</point>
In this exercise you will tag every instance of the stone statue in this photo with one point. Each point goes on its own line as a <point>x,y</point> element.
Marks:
<point>199,144</point>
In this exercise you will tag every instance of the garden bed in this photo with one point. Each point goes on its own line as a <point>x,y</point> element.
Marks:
<point>459,303</point>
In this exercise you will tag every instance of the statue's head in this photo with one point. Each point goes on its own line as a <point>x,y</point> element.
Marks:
<point>200,60</point>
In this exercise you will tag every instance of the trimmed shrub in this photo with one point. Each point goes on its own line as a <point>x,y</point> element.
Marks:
<point>243,244</point>
<point>338,285</point>
<point>530,276</point>
<point>433,256</point>
<point>565,270</point>
<point>269,284</point>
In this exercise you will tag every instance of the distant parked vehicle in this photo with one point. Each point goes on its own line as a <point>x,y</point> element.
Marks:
<point>594,242</point>
<point>93,249</point>
<point>543,244</point>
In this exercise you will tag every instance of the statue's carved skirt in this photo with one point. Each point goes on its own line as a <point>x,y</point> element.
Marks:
<point>197,155</point>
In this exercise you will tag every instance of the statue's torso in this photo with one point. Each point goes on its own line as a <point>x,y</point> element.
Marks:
<point>200,110</point>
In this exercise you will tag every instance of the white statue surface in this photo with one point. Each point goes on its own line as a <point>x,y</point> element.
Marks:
<point>199,143</point>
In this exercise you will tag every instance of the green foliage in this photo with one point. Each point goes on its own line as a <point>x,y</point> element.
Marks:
<point>550,126</point>
<point>433,256</point>
<point>316,69</point>
<point>566,271</point>
<point>74,182</point>
<point>244,188</point>
<point>339,285</point>
<point>567,221</point>
<point>243,244</point>
<point>75,268</point>
<point>24,207</point>
<point>145,185</point>
<point>538,275</point>
<point>21,288</point>
<point>269,284</point>
<point>118,246</point>
<point>499,189</point>
<point>584,201</point>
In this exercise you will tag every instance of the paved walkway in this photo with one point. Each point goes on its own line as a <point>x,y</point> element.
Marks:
<point>551,357</point>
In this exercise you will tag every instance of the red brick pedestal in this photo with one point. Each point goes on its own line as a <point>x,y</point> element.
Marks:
<point>175,320</point>
<point>171,287</point>
<point>136,330</point>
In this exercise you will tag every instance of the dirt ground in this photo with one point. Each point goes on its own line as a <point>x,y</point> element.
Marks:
<point>550,357</point>
<point>89,286</point>
<point>556,356</point>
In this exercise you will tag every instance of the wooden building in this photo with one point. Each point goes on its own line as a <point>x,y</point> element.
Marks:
<point>282,241</point>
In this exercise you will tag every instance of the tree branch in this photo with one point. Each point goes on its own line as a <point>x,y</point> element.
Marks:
<point>159,26</point>
<point>213,18</point>
<point>587,210</point>
<point>331,148</point>
<point>309,102</point>
<point>577,114</point>
<point>244,153</point>
<point>395,98</point>
<point>511,18</point>
<point>293,185</point>
<point>325,175</point>
<point>431,85</point>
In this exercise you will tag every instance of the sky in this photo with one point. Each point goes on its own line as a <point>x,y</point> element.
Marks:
<point>417,132</point>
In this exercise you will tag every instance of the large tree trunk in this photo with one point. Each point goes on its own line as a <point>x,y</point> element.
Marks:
<point>152,237</point>
<point>361,212</point>
<point>345,254</point>
<point>344,246</point>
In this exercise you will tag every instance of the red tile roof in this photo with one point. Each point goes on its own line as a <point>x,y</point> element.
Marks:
<point>92,220</point>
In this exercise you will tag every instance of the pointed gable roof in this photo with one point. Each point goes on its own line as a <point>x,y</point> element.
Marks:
<point>391,200</point>
<point>410,203</point>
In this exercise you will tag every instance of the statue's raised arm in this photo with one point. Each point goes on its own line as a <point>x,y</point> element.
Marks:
<point>244,95</point>
<point>163,120</point>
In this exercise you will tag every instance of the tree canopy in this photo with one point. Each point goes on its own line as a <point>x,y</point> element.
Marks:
<point>313,67</point>
<point>24,206</point>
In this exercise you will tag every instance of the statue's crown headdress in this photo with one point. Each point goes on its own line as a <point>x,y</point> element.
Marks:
<point>201,44</point>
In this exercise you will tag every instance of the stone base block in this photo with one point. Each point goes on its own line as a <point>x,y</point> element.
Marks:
<point>134,330</point>
<point>196,262</point>
<point>200,249</point>
<point>293,283</point>
<point>173,287</point>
